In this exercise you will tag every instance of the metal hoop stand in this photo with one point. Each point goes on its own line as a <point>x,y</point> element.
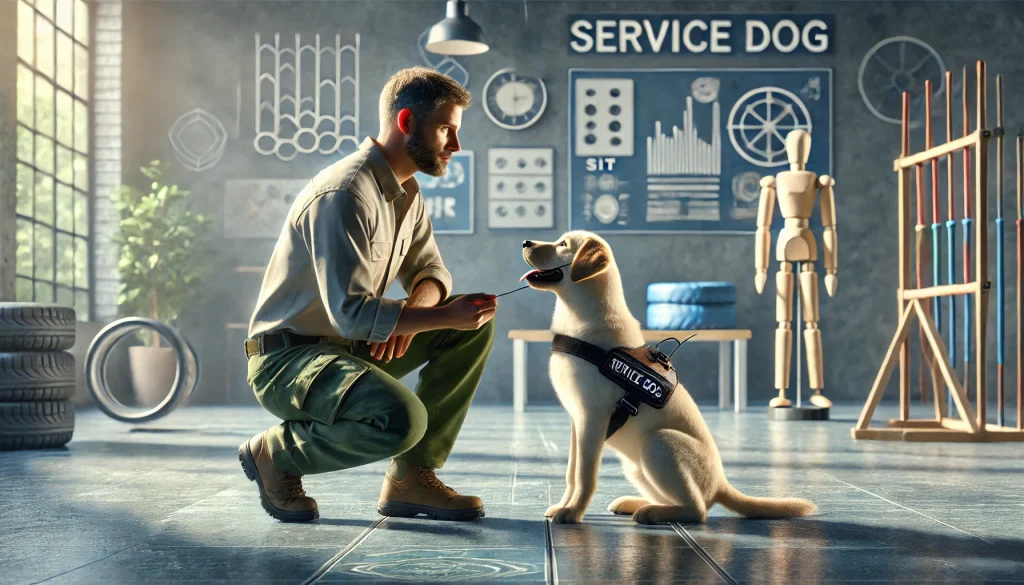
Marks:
<point>96,371</point>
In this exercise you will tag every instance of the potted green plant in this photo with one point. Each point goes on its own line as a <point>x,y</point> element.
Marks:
<point>164,255</point>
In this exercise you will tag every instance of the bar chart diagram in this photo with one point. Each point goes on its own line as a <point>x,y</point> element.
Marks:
<point>683,170</point>
<point>683,152</point>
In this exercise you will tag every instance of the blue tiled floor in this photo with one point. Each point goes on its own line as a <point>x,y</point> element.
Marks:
<point>167,503</point>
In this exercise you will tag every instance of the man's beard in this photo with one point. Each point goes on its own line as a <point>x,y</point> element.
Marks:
<point>426,160</point>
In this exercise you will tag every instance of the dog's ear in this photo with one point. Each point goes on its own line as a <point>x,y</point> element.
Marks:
<point>590,260</point>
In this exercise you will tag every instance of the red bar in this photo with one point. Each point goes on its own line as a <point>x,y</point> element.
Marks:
<point>950,204</point>
<point>906,124</point>
<point>967,166</point>
<point>929,142</point>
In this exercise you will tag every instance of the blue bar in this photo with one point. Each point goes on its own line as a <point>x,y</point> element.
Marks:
<point>936,276</point>
<point>967,298</point>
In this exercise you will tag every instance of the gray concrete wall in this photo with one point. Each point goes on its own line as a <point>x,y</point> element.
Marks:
<point>8,146</point>
<point>182,55</point>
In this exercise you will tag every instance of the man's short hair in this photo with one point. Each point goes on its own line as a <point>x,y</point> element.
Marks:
<point>422,90</point>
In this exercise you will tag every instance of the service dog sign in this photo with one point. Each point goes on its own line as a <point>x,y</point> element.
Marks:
<point>701,34</point>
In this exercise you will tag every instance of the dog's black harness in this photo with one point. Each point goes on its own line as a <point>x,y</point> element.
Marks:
<point>644,372</point>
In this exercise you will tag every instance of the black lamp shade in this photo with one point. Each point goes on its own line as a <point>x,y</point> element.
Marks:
<point>457,34</point>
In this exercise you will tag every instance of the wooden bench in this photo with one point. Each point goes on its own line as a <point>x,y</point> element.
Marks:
<point>737,337</point>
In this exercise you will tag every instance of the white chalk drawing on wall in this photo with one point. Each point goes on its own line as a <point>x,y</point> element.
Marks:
<point>705,89</point>
<point>604,117</point>
<point>521,187</point>
<point>454,176</point>
<point>442,63</point>
<point>607,208</point>
<point>198,139</point>
<point>760,120</point>
<point>746,191</point>
<point>306,104</point>
<point>257,208</point>
<point>238,110</point>
<point>811,91</point>
<point>895,65</point>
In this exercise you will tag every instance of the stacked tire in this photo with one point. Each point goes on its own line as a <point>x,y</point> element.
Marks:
<point>691,305</point>
<point>37,375</point>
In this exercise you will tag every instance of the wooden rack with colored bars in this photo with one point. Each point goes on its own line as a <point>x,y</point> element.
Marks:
<point>972,422</point>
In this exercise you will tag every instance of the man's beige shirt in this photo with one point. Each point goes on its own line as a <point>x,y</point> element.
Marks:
<point>347,237</point>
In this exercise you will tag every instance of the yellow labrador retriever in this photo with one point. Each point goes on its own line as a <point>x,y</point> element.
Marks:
<point>668,454</point>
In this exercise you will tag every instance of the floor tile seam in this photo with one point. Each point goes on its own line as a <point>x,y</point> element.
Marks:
<point>103,558</point>
<point>703,554</point>
<point>922,514</point>
<point>550,560</point>
<point>195,503</point>
<point>319,573</point>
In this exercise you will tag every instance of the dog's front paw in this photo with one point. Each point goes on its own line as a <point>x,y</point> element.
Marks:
<point>553,509</point>
<point>627,505</point>
<point>647,515</point>
<point>567,516</point>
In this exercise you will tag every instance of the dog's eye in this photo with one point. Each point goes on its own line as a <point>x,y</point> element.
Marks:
<point>563,243</point>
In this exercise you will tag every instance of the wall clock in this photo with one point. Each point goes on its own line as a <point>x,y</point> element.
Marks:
<point>514,101</point>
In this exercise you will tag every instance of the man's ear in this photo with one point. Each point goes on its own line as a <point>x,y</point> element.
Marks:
<point>590,260</point>
<point>405,121</point>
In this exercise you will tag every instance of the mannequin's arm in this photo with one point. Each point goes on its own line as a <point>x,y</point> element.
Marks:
<point>765,210</point>
<point>828,220</point>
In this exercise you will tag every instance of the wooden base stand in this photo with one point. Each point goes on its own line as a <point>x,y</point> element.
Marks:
<point>942,428</point>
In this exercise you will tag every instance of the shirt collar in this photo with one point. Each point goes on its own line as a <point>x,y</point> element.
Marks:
<point>386,178</point>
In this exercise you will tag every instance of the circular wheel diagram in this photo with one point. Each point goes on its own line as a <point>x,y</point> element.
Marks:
<point>896,65</point>
<point>760,120</point>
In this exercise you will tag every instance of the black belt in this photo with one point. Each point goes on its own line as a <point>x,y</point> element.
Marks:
<point>624,408</point>
<point>267,342</point>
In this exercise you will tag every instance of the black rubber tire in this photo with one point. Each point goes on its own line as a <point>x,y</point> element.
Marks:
<point>36,327</point>
<point>36,425</point>
<point>30,376</point>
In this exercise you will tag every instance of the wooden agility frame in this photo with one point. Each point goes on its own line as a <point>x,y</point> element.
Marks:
<point>971,424</point>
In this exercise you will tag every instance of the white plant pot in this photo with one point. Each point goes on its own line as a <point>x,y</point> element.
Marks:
<point>153,370</point>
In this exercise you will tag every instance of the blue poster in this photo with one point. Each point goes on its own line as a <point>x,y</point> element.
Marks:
<point>684,150</point>
<point>449,199</point>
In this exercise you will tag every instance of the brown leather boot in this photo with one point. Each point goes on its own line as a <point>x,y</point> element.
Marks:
<point>280,493</point>
<point>420,492</point>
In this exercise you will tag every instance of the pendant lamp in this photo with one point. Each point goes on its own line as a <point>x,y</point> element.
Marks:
<point>457,34</point>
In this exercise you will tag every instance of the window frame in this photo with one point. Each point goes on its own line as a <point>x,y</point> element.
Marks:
<point>78,99</point>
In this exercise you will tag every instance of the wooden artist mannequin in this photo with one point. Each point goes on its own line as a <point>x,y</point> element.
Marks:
<point>796,190</point>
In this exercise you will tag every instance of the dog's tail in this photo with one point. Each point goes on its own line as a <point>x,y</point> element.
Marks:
<point>752,507</point>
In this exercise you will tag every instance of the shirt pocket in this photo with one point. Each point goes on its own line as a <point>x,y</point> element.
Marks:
<point>380,250</point>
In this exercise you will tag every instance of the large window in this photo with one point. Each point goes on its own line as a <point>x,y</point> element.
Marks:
<point>53,153</point>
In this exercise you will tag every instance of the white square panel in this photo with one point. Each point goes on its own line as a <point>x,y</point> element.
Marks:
<point>510,213</point>
<point>603,117</point>
<point>520,161</point>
